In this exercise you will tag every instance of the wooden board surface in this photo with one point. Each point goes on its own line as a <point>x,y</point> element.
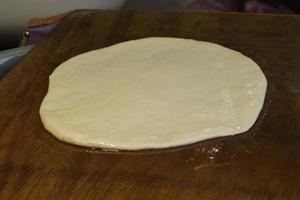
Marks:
<point>263,163</point>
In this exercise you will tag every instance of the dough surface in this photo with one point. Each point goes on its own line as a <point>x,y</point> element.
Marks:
<point>153,93</point>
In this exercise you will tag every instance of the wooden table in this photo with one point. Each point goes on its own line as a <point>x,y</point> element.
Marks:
<point>263,163</point>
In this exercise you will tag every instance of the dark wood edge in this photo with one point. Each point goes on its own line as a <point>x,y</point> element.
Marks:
<point>83,12</point>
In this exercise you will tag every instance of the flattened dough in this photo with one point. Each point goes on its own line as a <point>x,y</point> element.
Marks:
<point>153,93</point>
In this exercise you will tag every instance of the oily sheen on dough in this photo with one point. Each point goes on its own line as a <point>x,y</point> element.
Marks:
<point>153,93</point>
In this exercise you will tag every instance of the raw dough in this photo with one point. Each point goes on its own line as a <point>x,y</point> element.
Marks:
<point>153,93</point>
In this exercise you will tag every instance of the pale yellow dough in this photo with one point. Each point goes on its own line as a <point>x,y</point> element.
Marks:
<point>153,93</point>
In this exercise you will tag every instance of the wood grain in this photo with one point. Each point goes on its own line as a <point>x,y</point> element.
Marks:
<point>262,163</point>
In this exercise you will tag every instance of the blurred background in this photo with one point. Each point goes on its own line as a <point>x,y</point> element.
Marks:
<point>25,23</point>
<point>20,18</point>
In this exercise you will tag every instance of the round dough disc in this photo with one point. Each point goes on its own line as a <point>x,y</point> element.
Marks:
<point>153,93</point>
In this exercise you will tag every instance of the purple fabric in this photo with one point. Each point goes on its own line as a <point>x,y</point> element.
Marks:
<point>37,33</point>
<point>230,5</point>
<point>213,5</point>
<point>258,7</point>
